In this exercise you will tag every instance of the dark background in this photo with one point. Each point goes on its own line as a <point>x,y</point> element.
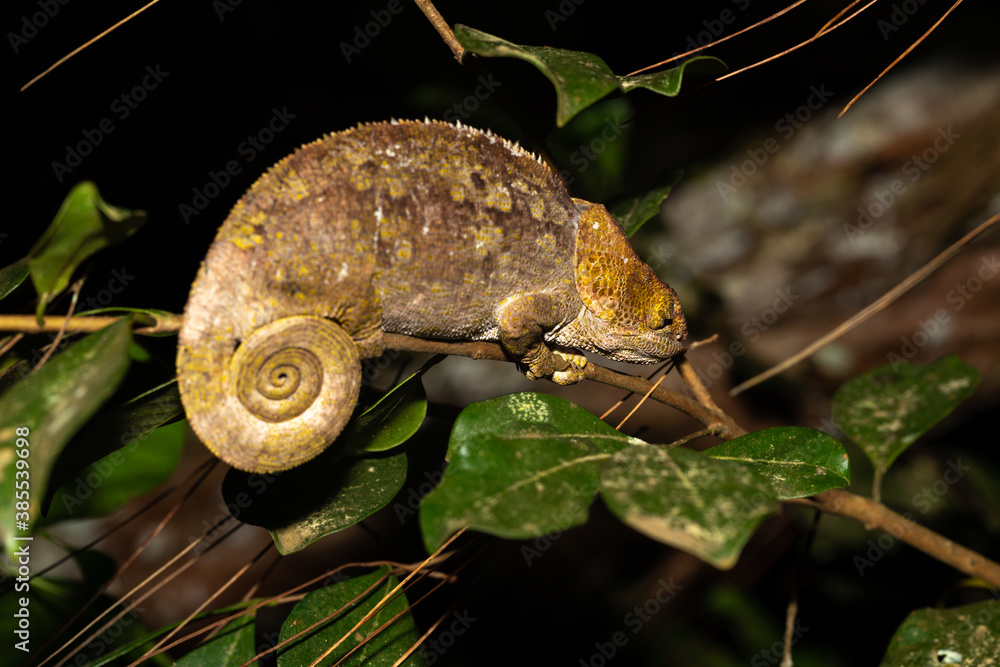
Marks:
<point>227,74</point>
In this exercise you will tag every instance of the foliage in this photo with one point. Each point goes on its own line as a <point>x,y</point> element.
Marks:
<point>524,466</point>
<point>581,78</point>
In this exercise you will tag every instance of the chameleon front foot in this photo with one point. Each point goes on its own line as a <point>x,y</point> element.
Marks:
<point>576,367</point>
<point>542,364</point>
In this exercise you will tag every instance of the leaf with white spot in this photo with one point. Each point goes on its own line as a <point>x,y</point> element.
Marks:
<point>520,466</point>
<point>967,635</point>
<point>701,505</point>
<point>301,505</point>
<point>886,409</point>
<point>325,627</point>
<point>797,461</point>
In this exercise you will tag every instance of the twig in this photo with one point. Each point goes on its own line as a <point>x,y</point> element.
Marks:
<point>28,324</point>
<point>790,613</point>
<point>75,290</point>
<point>886,299</point>
<point>720,40</point>
<point>641,401</point>
<point>797,46</point>
<point>434,16</point>
<point>876,515</point>
<point>720,424</point>
<point>901,56</point>
<point>696,385</point>
<point>88,43</point>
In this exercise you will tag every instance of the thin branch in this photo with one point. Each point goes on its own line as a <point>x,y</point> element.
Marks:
<point>696,385</point>
<point>720,423</point>
<point>88,43</point>
<point>797,46</point>
<point>720,40</point>
<point>790,613</point>
<point>901,56</point>
<point>75,291</point>
<point>877,515</point>
<point>28,324</point>
<point>836,17</point>
<point>434,16</point>
<point>641,401</point>
<point>886,299</point>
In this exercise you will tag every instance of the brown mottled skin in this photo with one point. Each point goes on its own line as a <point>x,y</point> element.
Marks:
<point>425,229</point>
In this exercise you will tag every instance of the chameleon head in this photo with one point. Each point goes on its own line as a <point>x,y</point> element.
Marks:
<point>629,314</point>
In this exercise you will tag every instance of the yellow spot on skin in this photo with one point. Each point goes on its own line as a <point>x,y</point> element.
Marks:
<point>457,192</point>
<point>404,250</point>
<point>242,243</point>
<point>537,208</point>
<point>499,197</point>
<point>547,243</point>
<point>295,187</point>
<point>397,188</point>
<point>488,239</point>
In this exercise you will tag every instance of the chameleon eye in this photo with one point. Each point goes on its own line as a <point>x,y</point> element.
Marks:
<point>658,321</point>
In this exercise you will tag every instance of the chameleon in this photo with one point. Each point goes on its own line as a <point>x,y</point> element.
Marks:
<point>427,229</point>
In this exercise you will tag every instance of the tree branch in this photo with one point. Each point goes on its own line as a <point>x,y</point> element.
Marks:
<point>434,16</point>
<point>27,324</point>
<point>719,424</point>
<point>843,503</point>
<point>876,515</point>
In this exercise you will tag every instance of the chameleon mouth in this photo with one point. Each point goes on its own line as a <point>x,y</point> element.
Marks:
<point>652,348</point>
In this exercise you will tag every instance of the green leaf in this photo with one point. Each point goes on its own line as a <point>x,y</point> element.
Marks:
<point>886,409</point>
<point>633,212</point>
<point>123,427</point>
<point>350,601</point>
<point>704,506</point>
<point>392,420</point>
<point>83,225</point>
<point>53,603</point>
<point>233,646</point>
<point>968,635</point>
<point>52,404</point>
<point>580,78</point>
<point>13,275</point>
<point>324,496</point>
<point>797,461</point>
<point>668,82</point>
<point>139,645</point>
<point>520,466</point>
<point>123,475</point>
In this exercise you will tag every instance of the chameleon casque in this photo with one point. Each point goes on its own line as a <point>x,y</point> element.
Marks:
<point>420,228</point>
